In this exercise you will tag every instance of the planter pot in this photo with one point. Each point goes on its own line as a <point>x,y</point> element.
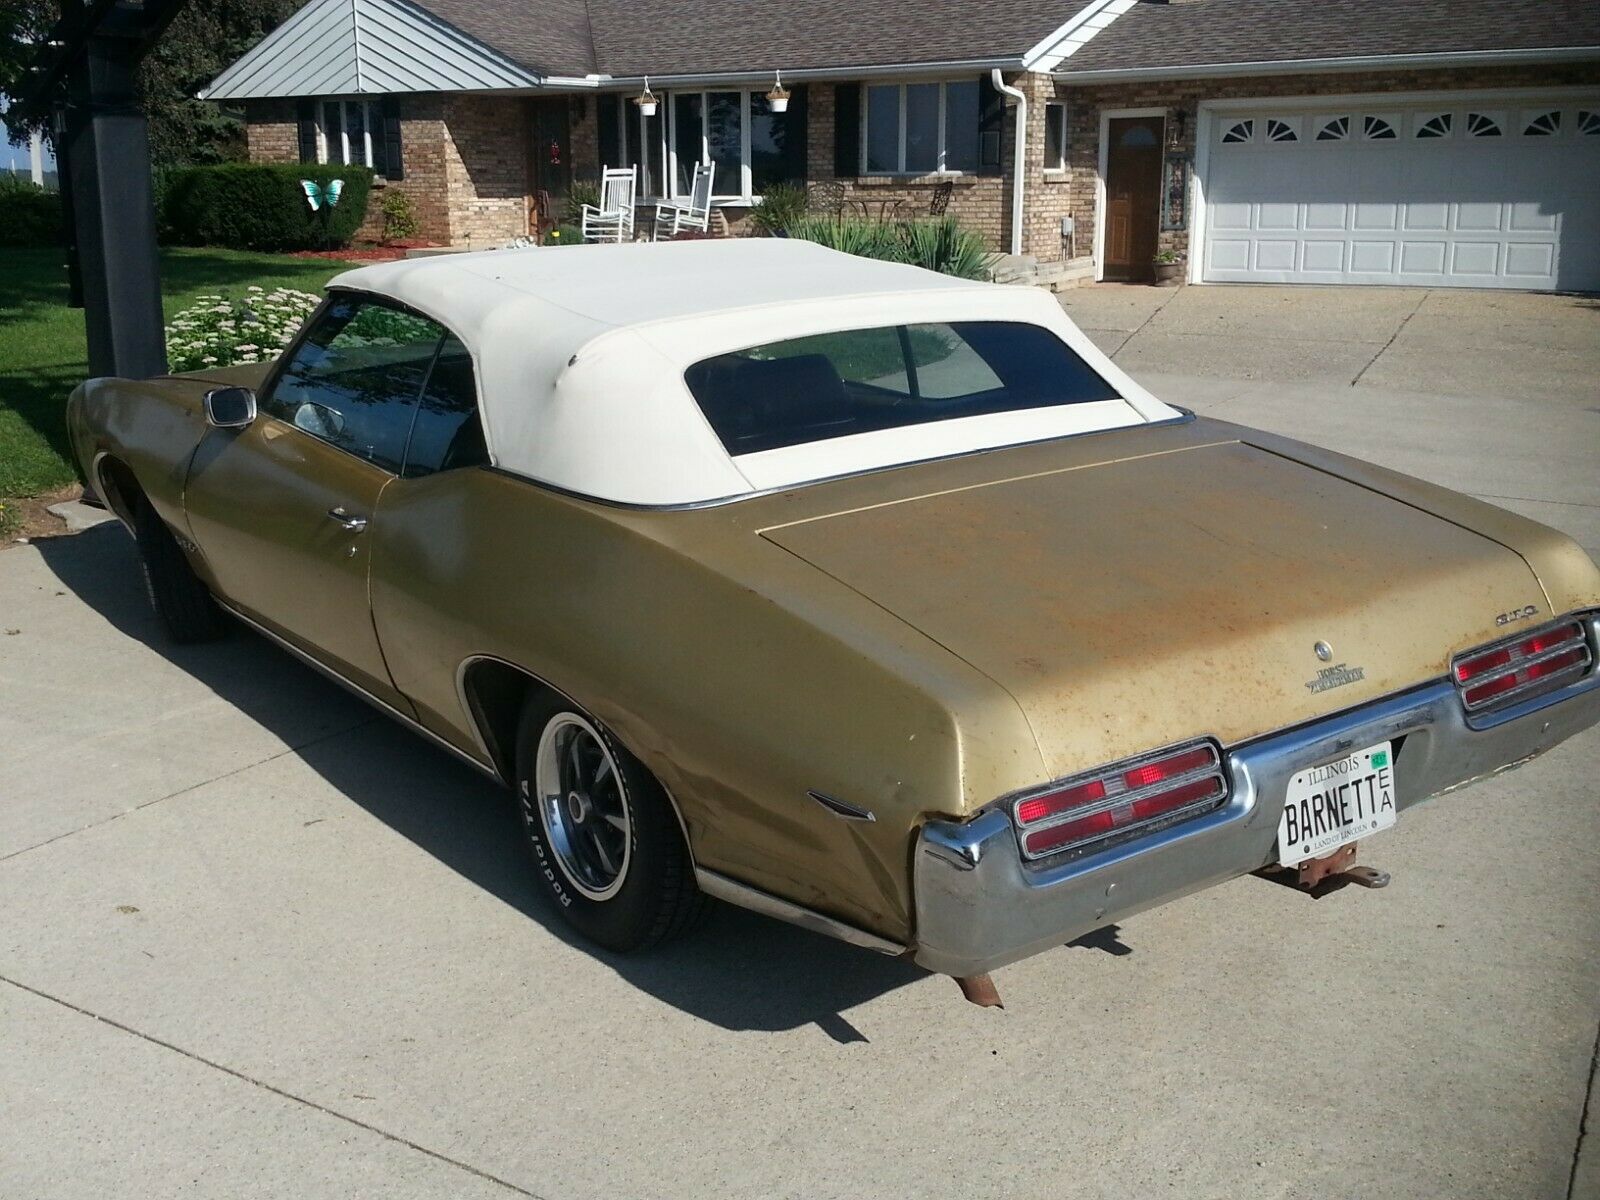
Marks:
<point>1167,274</point>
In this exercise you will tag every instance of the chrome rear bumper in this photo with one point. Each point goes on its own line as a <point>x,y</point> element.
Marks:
<point>980,907</point>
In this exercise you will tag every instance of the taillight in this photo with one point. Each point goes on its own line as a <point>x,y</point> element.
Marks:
<point>1523,667</point>
<point>1122,798</point>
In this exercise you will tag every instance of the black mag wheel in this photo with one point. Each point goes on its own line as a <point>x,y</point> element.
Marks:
<point>604,837</point>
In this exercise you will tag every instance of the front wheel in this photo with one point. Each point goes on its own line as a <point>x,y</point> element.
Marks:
<point>603,834</point>
<point>185,607</point>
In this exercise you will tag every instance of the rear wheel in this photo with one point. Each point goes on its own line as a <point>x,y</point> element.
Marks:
<point>181,601</point>
<point>603,834</point>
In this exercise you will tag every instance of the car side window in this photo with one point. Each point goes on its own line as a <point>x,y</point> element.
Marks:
<point>447,432</point>
<point>353,381</point>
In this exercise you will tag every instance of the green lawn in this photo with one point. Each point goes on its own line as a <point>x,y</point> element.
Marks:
<point>42,356</point>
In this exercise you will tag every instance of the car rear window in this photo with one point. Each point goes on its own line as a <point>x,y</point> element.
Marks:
<point>809,389</point>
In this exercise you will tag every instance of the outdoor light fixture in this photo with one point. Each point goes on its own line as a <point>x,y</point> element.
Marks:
<point>646,100</point>
<point>778,97</point>
<point>1179,119</point>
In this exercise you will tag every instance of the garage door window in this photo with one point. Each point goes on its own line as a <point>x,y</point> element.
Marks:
<point>1436,126</point>
<point>1377,129</point>
<point>1484,125</point>
<point>1333,129</point>
<point>1588,123</point>
<point>1543,124</point>
<point>1239,131</point>
<point>1281,130</point>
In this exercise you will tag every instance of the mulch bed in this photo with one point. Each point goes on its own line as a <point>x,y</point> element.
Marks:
<point>28,520</point>
<point>384,253</point>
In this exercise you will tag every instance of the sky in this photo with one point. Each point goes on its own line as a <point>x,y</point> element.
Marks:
<point>15,158</point>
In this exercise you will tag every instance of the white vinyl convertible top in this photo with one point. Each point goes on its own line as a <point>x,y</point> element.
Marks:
<point>580,355</point>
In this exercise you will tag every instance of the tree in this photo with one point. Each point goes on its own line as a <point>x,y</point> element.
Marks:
<point>201,41</point>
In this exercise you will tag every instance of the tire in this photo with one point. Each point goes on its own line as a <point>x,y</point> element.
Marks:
<point>182,602</point>
<point>605,840</point>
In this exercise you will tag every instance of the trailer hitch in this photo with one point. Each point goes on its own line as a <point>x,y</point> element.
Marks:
<point>1319,877</point>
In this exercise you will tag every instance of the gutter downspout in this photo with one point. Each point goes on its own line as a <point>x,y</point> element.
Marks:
<point>1019,163</point>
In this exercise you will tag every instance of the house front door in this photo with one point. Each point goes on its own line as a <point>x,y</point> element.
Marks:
<point>1133,196</point>
<point>551,153</point>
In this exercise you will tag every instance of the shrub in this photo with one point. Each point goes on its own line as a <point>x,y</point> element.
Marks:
<point>399,216</point>
<point>941,245</point>
<point>782,204</point>
<point>564,235</point>
<point>946,247</point>
<point>262,206</point>
<point>577,197</point>
<point>216,331</point>
<point>29,215</point>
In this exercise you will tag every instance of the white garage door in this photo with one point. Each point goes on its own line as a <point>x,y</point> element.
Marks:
<point>1466,194</point>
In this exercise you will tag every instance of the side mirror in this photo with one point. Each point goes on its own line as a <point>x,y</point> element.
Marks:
<point>230,407</point>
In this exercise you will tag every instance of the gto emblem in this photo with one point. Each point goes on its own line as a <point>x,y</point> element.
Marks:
<point>1516,614</point>
<point>1332,677</point>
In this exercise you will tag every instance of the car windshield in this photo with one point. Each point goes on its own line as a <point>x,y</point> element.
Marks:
<point>830,385</point>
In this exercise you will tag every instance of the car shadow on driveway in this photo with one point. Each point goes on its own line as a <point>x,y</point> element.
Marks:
<point>739,970</point>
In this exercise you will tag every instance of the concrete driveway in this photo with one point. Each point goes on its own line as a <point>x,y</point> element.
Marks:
<point>258,941</point>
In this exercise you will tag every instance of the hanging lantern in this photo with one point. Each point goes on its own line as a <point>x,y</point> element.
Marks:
<point>778,97</point>
<point>646,100</point>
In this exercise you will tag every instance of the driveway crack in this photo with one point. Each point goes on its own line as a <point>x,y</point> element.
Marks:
<point>1583,1118</point>
<point>295,749</point>
<point>1154,312</point>
<point>276,1091</point>
<point>1398,330</point>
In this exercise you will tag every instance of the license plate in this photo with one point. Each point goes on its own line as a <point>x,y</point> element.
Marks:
<point>1335,803</point>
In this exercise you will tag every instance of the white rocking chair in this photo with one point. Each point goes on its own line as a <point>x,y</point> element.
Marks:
<point>676,216</point>
<point>613,220</point>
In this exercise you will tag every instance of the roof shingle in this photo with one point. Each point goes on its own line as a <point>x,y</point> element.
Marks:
<point>1211,32</point>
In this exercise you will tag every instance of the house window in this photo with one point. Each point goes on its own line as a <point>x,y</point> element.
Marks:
<point>920,128</point>
<point>1055,137</point>
<point>352,134</point>
<point>752,146</point>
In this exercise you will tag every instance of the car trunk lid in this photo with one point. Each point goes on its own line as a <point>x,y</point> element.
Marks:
<point>1215,590</point>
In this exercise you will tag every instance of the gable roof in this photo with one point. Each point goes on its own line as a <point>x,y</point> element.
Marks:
<point>1199,34</point>
<point>357,47</point>
<point>343,47</point>
<point>351,47</point>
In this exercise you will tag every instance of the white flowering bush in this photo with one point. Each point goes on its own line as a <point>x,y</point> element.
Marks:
<point>216,331</point>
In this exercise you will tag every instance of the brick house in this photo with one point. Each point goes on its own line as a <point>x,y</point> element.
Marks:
<point>1436,142</point>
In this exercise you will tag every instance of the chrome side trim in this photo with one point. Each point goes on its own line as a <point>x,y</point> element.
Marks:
<point>745,896</point>
<point>356,689</point>
<point>839,808</point>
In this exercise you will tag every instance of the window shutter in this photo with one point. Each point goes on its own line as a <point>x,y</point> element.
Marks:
<point>610,133</point>
<point>306,116</point>
<point>796,137</point>
<point>393,165</point>
<point>991,127</point>
<point>846,130</point>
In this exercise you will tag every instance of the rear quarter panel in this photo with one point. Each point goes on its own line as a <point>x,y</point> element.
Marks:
<point>741,676</point>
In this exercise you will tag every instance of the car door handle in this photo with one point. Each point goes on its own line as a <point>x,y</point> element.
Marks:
<point>353,523</point>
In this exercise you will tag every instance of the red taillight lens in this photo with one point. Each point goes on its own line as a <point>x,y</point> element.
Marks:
<point>1169,768</point>
<point>1517,669</point>
<point>1040,807</point>
<point>1469,669</point>
<point>1120,798</point>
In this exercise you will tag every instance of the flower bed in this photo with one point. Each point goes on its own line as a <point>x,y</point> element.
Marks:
<point>217,331</point>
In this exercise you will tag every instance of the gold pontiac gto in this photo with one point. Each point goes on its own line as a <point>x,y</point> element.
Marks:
<point>874,600</point>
